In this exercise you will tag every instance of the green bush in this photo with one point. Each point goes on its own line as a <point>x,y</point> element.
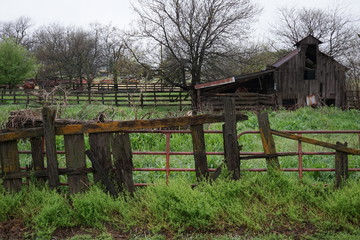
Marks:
<point>176,207</point>
<point>45,210</point>
<point>344,203</point>
<point>94,207</point>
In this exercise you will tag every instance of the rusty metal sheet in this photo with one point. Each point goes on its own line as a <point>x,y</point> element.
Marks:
<point>215,83</point>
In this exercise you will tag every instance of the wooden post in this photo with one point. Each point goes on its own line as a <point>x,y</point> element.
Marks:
<point>101,173</point>
<point>9,159</point>
<point>180,99</point>
<point>76,162</point>
<point>116,98</point>
<point>37,153</point>
<point>268,141</point>
<point>121,147</point>
<point>27,97</point>
<point>341,166</point>
<point>141,99</point>
<point>48,116</point>
<point>231,147</point>
<point>100,147</point>
<point>198,140</point>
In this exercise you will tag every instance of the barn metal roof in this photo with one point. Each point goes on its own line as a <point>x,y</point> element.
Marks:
<point>238,79</point>
<point>215,83</point>
<point>286,58</point>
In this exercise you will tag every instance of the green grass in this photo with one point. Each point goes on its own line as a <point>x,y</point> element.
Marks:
<point>260,206</point>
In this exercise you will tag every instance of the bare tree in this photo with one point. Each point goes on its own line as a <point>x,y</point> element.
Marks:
<point>17,30</point>
<point>113,47</point>
<point>334,27</point>
<point>191,32</point>
<point>69,52</point>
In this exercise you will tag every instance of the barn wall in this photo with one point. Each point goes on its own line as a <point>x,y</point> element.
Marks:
<point>329,82</point>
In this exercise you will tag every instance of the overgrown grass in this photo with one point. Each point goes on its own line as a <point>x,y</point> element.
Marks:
<point>259,204</point>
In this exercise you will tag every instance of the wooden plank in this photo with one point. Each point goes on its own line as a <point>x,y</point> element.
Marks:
<point>316,142</point>
<point>48,115</point>
<point>341,166</point>
<point>26,133</point>
<point>75,159</point>
<point>142,124</point>
<point>37,153</point>
<point>101,173</point>
<point>9,159</point>
<point>121,147</point>
<point>100,147</point>
<point>198,140</point>
<point>231,147</point>
<point>267,141</point>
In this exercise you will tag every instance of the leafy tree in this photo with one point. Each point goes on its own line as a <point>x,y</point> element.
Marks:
<point>192,32</point>
<point>16,63</point>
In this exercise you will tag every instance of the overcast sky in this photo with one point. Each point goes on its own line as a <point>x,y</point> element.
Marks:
<point>119,13</point>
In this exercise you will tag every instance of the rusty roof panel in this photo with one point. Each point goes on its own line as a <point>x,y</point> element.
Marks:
<point>283,60</point>
<point>215,83</point>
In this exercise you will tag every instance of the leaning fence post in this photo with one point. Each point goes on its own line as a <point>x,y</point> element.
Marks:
<point>198,140</point>
<point>121,147</point>
<point>341,166</point>
<point>48,116</point>
<point>231,147</point>
<point>9,159</point>
<point>268,141</point>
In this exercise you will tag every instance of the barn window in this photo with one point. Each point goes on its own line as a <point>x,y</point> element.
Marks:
<point>310,62</point>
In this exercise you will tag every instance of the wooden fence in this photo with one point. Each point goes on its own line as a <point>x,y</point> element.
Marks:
<point>243,101</point>
<point>110,150</point>
<point>107,141</point>
<point>353,99</point>
<point>60,96</point>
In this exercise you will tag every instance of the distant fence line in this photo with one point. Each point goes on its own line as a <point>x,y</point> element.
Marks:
<point>148,98</point>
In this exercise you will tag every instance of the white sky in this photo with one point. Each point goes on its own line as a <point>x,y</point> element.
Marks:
<point>119,13</point>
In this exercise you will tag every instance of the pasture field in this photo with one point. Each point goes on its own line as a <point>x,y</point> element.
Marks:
<point>259,206</point>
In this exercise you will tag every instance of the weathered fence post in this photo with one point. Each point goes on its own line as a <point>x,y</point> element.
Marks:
<point>142,99</point>
<point>341,166</point>
<point>101,173</point>
<point>180,99</point>
<point>231,147</point>
<point>198,140</point>
<point>76,162</point>
<point>116,99</point>
<point>121,147</point>
<point>37,153</point>
<point>48,116</point>
<point>100,147</point>
<point>268,141</point>
<point>9,159</point>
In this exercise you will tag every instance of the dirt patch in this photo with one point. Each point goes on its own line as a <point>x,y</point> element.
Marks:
<point>12,230</point>
<point>65,233</point>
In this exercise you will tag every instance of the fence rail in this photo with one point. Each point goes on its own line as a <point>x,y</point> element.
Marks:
<point>242,100</point>
<point>353,99</point>
<point>119,98</point>
<point>111,154</point>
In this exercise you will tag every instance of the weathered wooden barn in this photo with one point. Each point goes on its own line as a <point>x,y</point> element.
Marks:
<point>305,76</point>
